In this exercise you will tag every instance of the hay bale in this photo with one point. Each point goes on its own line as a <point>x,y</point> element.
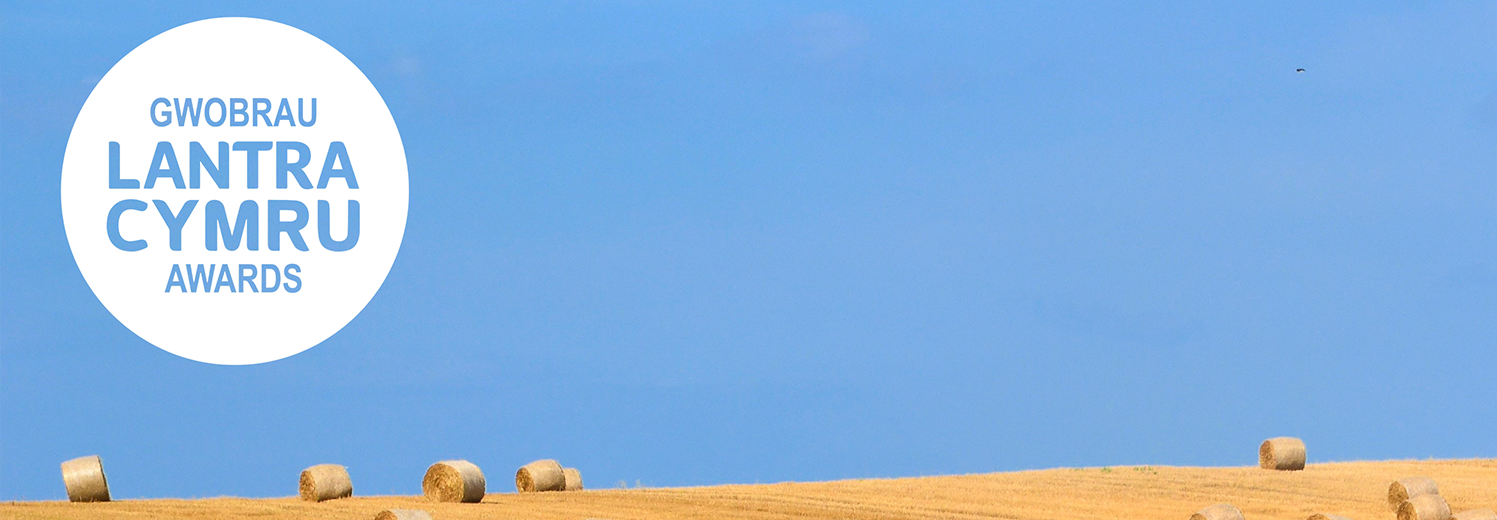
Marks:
<point>1476,514</point>
<point>325,482</point>
<point>403,514</point>
<point>1405,488</point>
<point>1218,512</point>
<point>1326,516</point>
<point>1282,453</point>
<point>84,479</point>
<point>541,475</point>
<point>1424,507</point>
<point>573,479</point>
<point>453,481</point>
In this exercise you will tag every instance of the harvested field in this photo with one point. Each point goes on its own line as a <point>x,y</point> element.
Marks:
<point>1356,490</point>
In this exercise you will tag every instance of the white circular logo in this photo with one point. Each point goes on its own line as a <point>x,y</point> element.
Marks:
<point>234,191</point>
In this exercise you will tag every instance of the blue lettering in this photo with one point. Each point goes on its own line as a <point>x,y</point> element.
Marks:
<point>113,225</point>
<point>208,112</point>
<point>238,108</point>
<point>194,277</point>
<point>166,115</point>
<point>175,279</point>
<point>265,284</point>
<point>299,113</point>
<point>284,112</point>
<point>197,160</point>
<point>174,222</point>
<point>260,113</point>
<point>337,155</point>
<point>285,166</point>
<point>115,182</point>
<point>188,110</point>
<point>291,277</point>
<point>252,151</point>
<point>246,226</point>
<point>275,226</point>
<point>250,278</point>
<point>324,223</point>
<point>224,278</point>
<point>164,154</point>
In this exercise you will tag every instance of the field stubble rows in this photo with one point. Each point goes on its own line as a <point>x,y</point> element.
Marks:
<point>1357,490</point>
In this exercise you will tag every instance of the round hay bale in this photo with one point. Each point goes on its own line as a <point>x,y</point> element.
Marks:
<point>1218,512</point>
<point>1282,453</point>
<point>1476,514</point>
<point>1325,516</point>
<point>453,481</point>
<point>325,482</point>
<point>541,475</point>
<point>403,514</point>
<point>573,479</point>
<point>84,479</point>
<point>1405,488</point>
<point>1424,507</point>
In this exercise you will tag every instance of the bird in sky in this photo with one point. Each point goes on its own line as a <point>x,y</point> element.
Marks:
<point>1299,71</point>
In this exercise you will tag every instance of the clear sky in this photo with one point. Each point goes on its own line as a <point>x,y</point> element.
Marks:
<point>702,243</point>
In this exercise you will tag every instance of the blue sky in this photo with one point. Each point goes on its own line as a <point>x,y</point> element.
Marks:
<point>701,243</point>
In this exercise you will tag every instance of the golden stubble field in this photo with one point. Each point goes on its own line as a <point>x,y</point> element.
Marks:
<point>1354,489</point>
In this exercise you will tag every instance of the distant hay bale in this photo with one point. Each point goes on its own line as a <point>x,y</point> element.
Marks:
<point>325,482</point>
<point>1476,514</point>
<point>403,514</point>
<point>541,475</point>
<point>1324,516</point>
<point>1218,512</point>
<point>1405,488</point>
<point>573,479</point>
<point>1282,453</point>
<point>84,479</point>
<point>453,481</point>
<point>1424,507</point>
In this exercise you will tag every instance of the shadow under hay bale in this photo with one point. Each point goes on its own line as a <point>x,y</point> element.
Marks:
<point>573,479</point>
<point>541,475</point>
<point>325,482</point>
<point>453,481</point>
<point>1424,507</point>
<point>403,514</point>
<point>84,479</point>
<point>1405,488</point>
<point>1218,512</point>
<point>1282,453</point>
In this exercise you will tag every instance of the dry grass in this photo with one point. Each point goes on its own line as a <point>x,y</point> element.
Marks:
<point>1355,489</point>
<point>1476,514</point>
